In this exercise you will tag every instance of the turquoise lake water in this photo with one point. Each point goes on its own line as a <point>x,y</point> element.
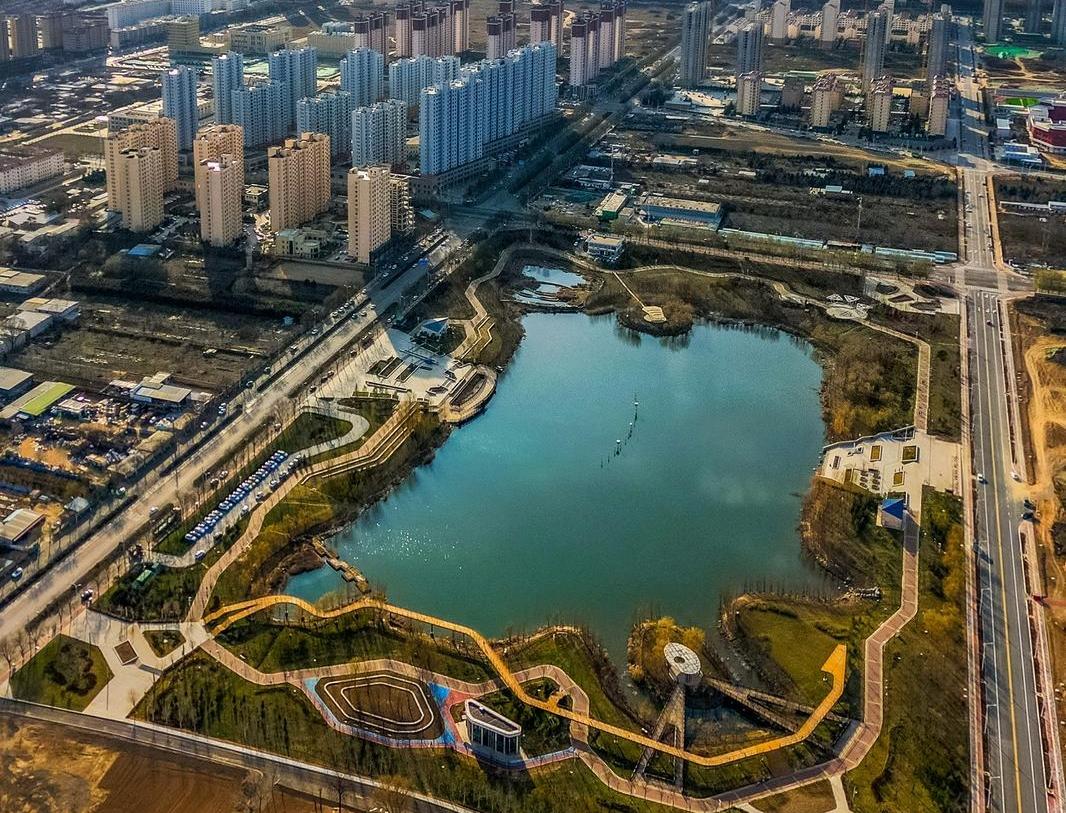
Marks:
<point>526,515</point>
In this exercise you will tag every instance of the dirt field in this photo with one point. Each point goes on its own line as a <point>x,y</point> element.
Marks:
<point>1031,238</point>
<point>805,55</point>
<point>53,769</point>
<point>129,340</point>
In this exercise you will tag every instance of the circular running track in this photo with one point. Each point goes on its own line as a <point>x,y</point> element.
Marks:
<point>383,703</point>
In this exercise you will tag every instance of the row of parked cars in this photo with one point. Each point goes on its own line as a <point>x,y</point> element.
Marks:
<point>260,483</point>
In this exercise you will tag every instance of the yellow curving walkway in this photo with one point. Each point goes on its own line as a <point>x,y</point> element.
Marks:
<point>834,666</point>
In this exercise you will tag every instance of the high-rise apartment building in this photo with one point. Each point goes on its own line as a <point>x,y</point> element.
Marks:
<point>179,103</point>
<point>371,31</point>
<point>460,16</point>
<point>432,30</point>
<point>506,10</point>
<point>220,191</point>
<point>749,48</point>
<point>138,185</point>
<point>298,173</point>
<point>827,31</point>
<point>556,7</point>
<point>500,30</point>
<point>160,134</point>
<point>369,211</point>
<point>779,20</point>
<point>362,75</point>
<point>210,144</point>
<point>695,31</point>
<point>749,90</point>
<point>401,28</point>
<point>296,69</point>
<point>401,214</point>
<point>1034,17</point>
<point>936,55</point>
<point>936,124</point>
<point>379,134</point>
<point>329,113</point>
<point>491,100</point>
<point>826,97</point>
<point>1058,22</point>
<point>227,75</point>
<point>993,20</point>
<point>879,104</point>
<point>409,77</point>
<point>874,47</point>
<point>540,23</point>
<point>21,35</point>
<point>260,111</point>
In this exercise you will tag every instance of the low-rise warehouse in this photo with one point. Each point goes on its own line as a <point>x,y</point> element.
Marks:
<point>14,382</point>
<point>37,401</point>
<point>13,281</point>
<point>21,529</point>
<point>681,211</point>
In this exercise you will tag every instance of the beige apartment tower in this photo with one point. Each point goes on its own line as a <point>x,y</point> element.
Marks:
<point>210,144</point>
<point>160,133</point>
<point>879,104</point>
<point>826,97</point>
<point>369,211</point>
<point>139,188</point>
<point>936,124</point>
<point>749,87</point>
<point>299,180</point>
<point>220,185</point>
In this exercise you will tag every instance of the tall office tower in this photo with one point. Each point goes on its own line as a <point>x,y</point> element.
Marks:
<point>936,56</point>
<point>556,7</point>
<point>695,29</point>
<point>260,111</point>
<point>540,23</point>
<point>1034,17</point>
<point>491,100</point>
<point>409,77</point>
<point>227,75</point>
<point>873,49</point>
<point>779,20</point>
<point>939,98</point>
<point>211,143</point>
<point>993,19</point>
<point>369,212</point>
<point>606,51</point>
<point>329,113</point>
<point>160,134</point>
<point>579,54</point>
<point>749,49</point>
<point>827,34</point>
<point>139,188</point>
<point>749,88</point>
<point>826,97</point>
<point>1058,22</point>
<point>179,103</point>
<point>298,173</point>
<point>494,32</point>
<point>371,31</point>
<point>362,75</point>
<point>21,35</point>
<point>401,27</point>
<point>297,71</point>
<point>379,134</point>
<point>879,104</point>
<point>220,189</point>
<point>460,16</point>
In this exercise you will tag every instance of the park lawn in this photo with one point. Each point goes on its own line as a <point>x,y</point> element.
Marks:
<point>276,647</point>
<point>310,429</point>
<point>375,409</point>
<point>921,761</point>
<point>66,673</point>
<point>542,733</point>
<point>200,695</point>
<point>814,798</point>
<point>163,642</point>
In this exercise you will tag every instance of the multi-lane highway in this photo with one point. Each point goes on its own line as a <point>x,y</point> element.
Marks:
<point>1017,773</point>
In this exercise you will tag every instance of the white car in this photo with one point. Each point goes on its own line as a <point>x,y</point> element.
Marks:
<point>981,478</point>
<point>1015,476</point>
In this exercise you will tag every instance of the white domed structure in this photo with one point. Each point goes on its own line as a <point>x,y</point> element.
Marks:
<point>684,665</point>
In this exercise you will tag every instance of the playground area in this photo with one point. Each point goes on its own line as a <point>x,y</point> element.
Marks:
<point>383,703</point>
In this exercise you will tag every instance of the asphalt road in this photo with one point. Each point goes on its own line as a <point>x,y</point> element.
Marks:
<point>1016,778</point>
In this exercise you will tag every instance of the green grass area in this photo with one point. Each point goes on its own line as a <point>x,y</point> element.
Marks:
<point>263,567</point>
<point>66,673</point>
<point>814,798</point>
<point>376,409</point>
<point>869,380</point>
<point>310,429</point>
<point>163,642</point>
<point>200,695</point>
<point>168,593</point>
<point>542,733</point>
<point>272,646</point>
<point>921,761</point>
